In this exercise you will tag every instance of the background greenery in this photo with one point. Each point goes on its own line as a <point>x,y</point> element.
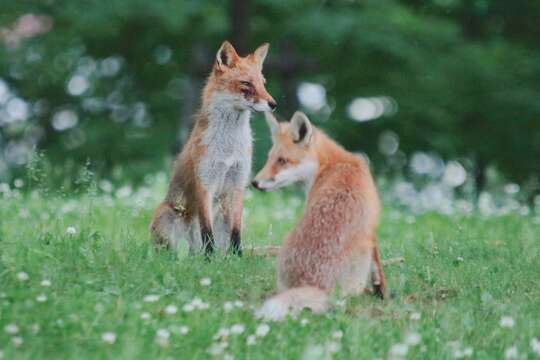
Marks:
<point>463,75</point>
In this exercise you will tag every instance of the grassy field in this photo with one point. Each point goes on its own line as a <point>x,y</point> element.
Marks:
<point>80,280</point>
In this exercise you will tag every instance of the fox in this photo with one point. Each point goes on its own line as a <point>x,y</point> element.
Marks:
<point>334,243</point>
<point>204,201</point>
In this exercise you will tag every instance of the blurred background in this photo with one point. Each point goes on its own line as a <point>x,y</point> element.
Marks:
<point>439,95</point>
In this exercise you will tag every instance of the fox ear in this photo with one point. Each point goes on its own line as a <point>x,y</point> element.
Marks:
<point>272,122</point>
<point>301,127</point>
<point>226,55</point>
<point>260,54</point>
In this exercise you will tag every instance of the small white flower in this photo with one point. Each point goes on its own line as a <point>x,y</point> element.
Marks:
<point>228,357</point>
<point>45,283</point>
<point>171,309</point>
<point>205,281</point>
<point>511,353</point>
<point>222,333</point>
<point>262,330</point>
<point>151,298</point>
<point>333,347</point>
<point>304,322</point>
<point>251,339</point>
<point>462,353</point>
<point>228,306</point>
<point>338,334</point>
<point>162,337</point>
<point>183,330</point>
<point>237,329</point>
<point>11,329</point>
<point>399,350</point>
<point>22,276</point>
<point>145,316</point>
<point>535,345</point>
<point>239,304</point>
<point>415,316</point>
<point>507,322</point>
<point>41,298</point>
<point>17,341</point>
<point>460,259</point>
<point>188,308</point>
<point>109,337</point>
<point>413,339</point>
<point>71,230</point>
<point>217,348</point>
<point>341,303</point>
<point>35,328</point>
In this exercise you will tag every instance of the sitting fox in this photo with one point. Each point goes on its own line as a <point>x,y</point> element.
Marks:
<point>213,169</point>
<point>334,243</point>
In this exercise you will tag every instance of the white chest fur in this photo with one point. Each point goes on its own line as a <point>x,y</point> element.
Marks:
<point>227,161</point>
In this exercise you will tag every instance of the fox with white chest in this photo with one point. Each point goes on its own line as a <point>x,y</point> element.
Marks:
<point>204,202</point>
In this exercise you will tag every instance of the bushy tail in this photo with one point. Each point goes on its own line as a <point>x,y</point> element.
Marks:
<point>292,301</point>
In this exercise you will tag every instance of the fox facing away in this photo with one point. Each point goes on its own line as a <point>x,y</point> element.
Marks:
<point>334,243</point>
<point>205,193</point>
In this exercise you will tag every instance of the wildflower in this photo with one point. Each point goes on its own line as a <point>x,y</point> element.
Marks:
<point>162,337</point>
<point>188,307</point>
<point>251,339</point>
<point>511,353</point>
<point>237,329</point>
<point>22,276</point>
<point>341,303</point>
<point>399,350</point>
<point>151,298</point>
<point>507,322</point>
<point>45,283</point>
<point>108,337</point>
<point>222,333</point>
<point>17,341</point>
<point>333,346</point>
<point>217,348</point>
<point>183,330</point>
<point>71,230</point>
<point>239,304</point>
<point>304,322</point>
<point>11,329</point>
<point>338,334</point>
<point>228,306</point>
<point>41,298</point>
<point>145,316</point>
<point>205,281</point>
<point>415,316</point>
<point>535,345</point>
<point>262,330</point>
<point>228,357</point>
<point>34,328</point>
<point>171,309</point>
<point>413,339</point>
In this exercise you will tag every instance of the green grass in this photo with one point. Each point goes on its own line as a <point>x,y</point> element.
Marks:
<point>461,274</point>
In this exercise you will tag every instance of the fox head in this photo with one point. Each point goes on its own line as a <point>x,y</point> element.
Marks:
<point>238,81</point>
<point>292,157</point>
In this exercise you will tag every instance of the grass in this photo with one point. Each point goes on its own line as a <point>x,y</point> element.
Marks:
<point>461,275</point>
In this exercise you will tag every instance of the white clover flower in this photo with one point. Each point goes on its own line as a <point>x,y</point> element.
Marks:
<point>145,316</point>
<point>511,353</point>
<point>262,330</point>
<point>237,329</point>
<point>338,334</point>
<point>151,298</point>
<point>462,353</point>
<point>535,345</point>
<point>251,340</point>
<point>45,283</point>
<point>399,350</point>
<point>17,341</point>
<point>304,321</point>
<point>507,322</point>
<point>22,276</point>
<point>188,307</point>
<point>217,348</point>
<point>183,330</point>
<point>239,304</point>
<point>11,329</point>
<point>228,306</point>
<point>71,230</point>
<point>108,337</point>
<point>222,333</point>
<point>228,357</point>
<point>341,303</point>
<point>41,298</point>
<point>333,347</point>
<point>415,316</point>
<point>171,309</point>
<point>162,337</point>
<point>205,281</point>
<point>413,339</point>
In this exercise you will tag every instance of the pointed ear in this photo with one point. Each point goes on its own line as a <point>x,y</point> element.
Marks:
<point>301,127</point>
<point>272,122</point>
<point>260,54</point>
<point>226,56</point>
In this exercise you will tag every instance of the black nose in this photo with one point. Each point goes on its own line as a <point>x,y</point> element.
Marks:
<point>255,184</point>
<point>272,105</point>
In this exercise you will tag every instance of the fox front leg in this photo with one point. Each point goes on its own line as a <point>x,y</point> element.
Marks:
<point>237,211</point>
<point>204,209</point>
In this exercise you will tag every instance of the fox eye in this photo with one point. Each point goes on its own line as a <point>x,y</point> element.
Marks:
<point>281,161</point>
<point>246,84</point>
